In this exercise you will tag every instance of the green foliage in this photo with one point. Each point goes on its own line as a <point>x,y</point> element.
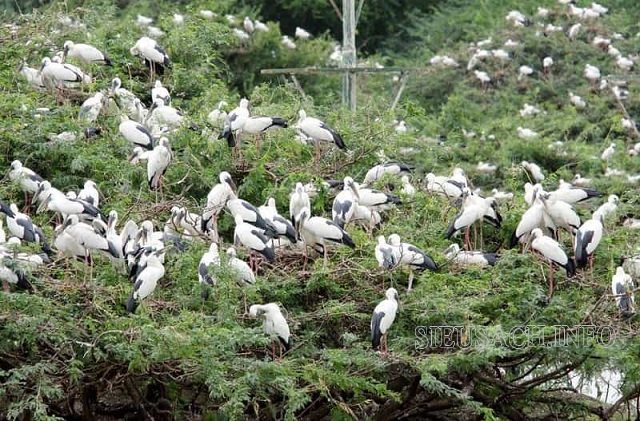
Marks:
<point>67,343</point>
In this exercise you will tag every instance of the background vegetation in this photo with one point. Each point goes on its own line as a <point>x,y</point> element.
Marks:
<point>72,352</point>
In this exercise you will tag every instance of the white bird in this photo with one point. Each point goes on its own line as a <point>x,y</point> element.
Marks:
<point>26,178</point>
<point>242,35</point>
<point>622,287</point>
<point>90,193</point>
<point>178,19</point>
<point>125,100</point>
<point>282,226</point>
<point>136,133</point>
<point>500,195</point>
<point>160,92</point>
<point>411,256</point>
<point>54,200</point>
<point>407,188</point>
<point>483,77</point>
<point>241,272</point>
<point>260,124</point>
<point>386,255</point>
<point>161,114</point>
<point>248,25</point>
<point>206,279</point>
<point>217,200</point>
<point>401,127</point>
<point>302,34</point>
<point>542,12</point>
<point>485,167</point>
<point>551,250</point>
<point>89,237</point>
<point>598,8</point>
<point>524,71</point>
<point>376,199</point>
<point>527,134</point>
<point>316,231</point>
<point>534,170</point>
<point>85,53</point>
<point>32,75</point>
<point>143,20</point>
<point>157,163</point>
<point>218,115</point>
<point>608,207</point>
<point>318,131</point>
<point>11,272</point>
<point>613,51</point>
<point>608,153</point>
<point>580,181</point>
<point>377,171</point>
<point>345,202</point>
<point>207,14</point>
<point>588,237</point>
<point>383,316</point>
<point>288,42</point>
<point>298,200</point>
<point>472,212</point>
<point>253,238</point>
<point>573,31</point>
<point>91,107</point>
<point>275,325</point>
<point>529,110</point>
<point>261,27</point>
<point>518,19</point>
<point>139,154</point>
<point>624,63</point>
<point>577,101</point>
<point>58,75</point>
<point>21,226</point>
<point>591,72</point>
<point>470,257</point>
<point>152,53</point>
<point>234,122</point>
<point>146,281</point>
<point>547,62</point>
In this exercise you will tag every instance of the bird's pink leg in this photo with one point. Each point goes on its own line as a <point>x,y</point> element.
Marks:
<point>591,264</point>
<point>550,279</point>
<point>467,243</point>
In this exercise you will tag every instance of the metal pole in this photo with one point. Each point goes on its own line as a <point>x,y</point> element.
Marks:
<point>349,53</point>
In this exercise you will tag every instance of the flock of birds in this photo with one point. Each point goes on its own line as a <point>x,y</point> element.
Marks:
<point>139,250</point>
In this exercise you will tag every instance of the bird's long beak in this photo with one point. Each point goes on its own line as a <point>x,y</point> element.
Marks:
<point>34,199</point>
<point>44,204</point>
<point>64,54</point>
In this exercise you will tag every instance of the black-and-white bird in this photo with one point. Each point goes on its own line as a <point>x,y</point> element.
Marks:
<point>90,237</point>
<point>54,200</point>
<point>345,203</point>
<point>153,54</point>
<point>160,92</point>
<point>217,200</point>
<point>622,288</point>
<point>283,227</point>
<point>146,282</point>
<point>385,254</point>
<point>298,201</point>
<point>90,193</point>
<point>412,257</point>
<point>275,325</point>
<point>26,178</point>
<point>157,164</point>
<point>376,200</point>
<point>316,231</point>
<point>21,226</point>
<point>588,237</point>
<point>85,53</point>
<point>251,215</point>
<point>235,122</point>
<point>383,316</point>
<point>12,272</point>
<point>208,262</point>
<point>551,250</point>
<point>253,238</point>
<point>58,75</point>
<point>470,257</point>
<point>91,107</point>
<point>260,124</point>
<point>136,133</point>
<point>318,131</point>
<point>573,195</point>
